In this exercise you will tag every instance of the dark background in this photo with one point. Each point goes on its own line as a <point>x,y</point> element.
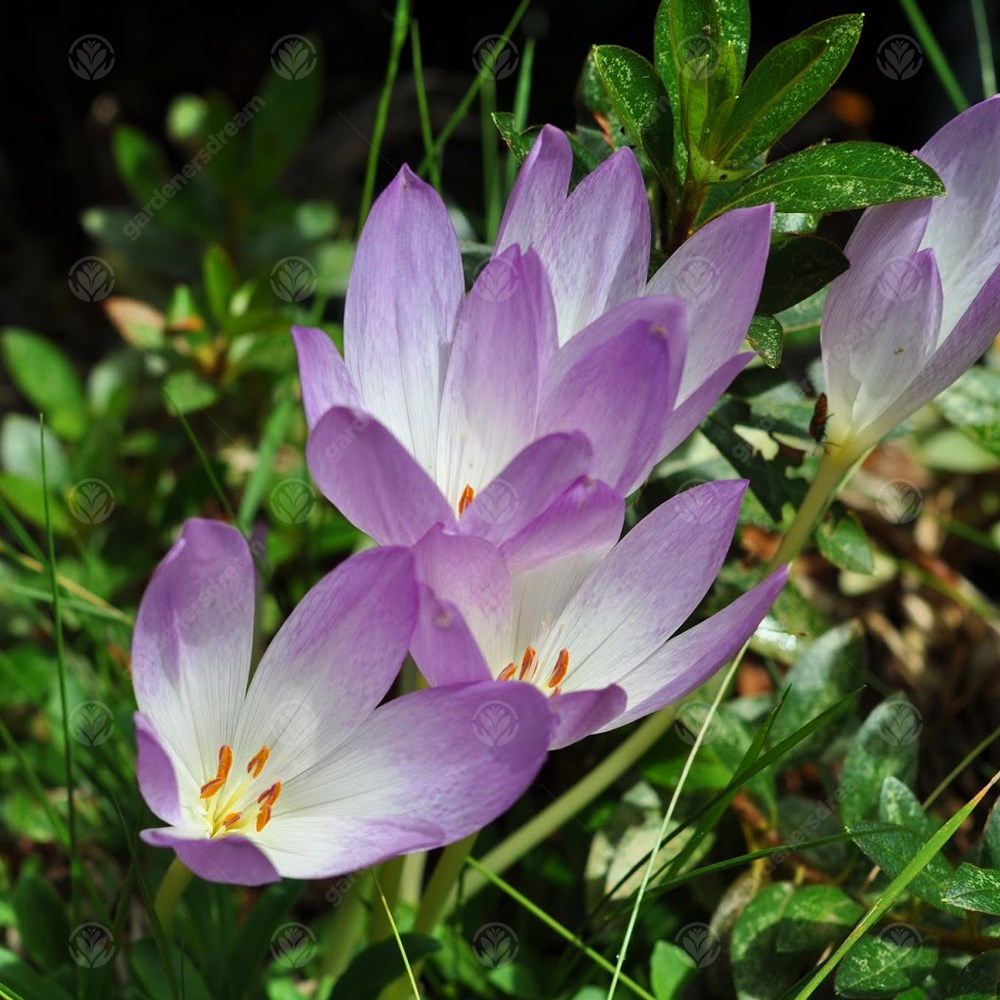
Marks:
<point>55,156</point>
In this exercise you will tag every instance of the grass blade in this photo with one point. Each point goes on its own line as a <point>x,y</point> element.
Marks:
<point>934,54</point>
<point>985,47</point>
<point>426,131</point>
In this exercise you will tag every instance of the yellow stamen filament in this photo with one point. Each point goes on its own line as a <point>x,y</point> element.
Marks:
<point>526,662</point>
<point>225,766</point>
<point>508,672</point>
<point>257,762</point>
<point>468,495</point>
<point>560,670</point>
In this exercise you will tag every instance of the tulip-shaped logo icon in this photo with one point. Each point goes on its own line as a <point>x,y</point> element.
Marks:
<point>91,279</point>
<point>91,945</point>
<point>700,942</point>
<point>495,945</point>
<point>293,57</point>
<point>899,57</point>
<point>293,946</point>
<point>900,501</point>
<point>91,501</point>
<point>698,280</point>
<point>901,724</point>
<point>692,717</point>
<point>293,279</point>
<point>91,57</point>
<point>495,280</point>
<point>699,56</point>
<point>495,56</point>
<point>497,503</point>
<point>293,500</point>
<point>495,723</point>
<point>91,723</point>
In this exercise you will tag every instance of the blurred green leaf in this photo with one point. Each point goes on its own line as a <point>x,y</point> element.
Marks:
<point>184,392</point>
<point>886,964</point>
<point>885,746</point>
<point>783,86</point>
<point>20,451</point>
<point>150,973</point>
<point>843,541</point>
<point>973,405</point>
<point>979,980</point>
<point>219,276</point>
<point>46,379</point>
<point>30,984</point>
<point>642,104</point>
<point>41,921</point>
<point>27,498</point>
<point>760,972</point>
<point>670,970</point>
<point>816,917</point>
<point>975,888</point>
<point>380,964</point>
<point>764,336</point>
<point>837,177</point>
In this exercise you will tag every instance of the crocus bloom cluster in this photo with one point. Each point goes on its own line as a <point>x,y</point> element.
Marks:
<point>295,772</point>
<point>481,410</point>
<point>590,627</point>
<point>921,300</point>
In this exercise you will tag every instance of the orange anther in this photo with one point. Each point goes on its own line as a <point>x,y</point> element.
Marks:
<point>560,670</point>
<point>263,817</point>
<point>269,796</point>
<point>468,495</point>
<point>230,819</point>
<point>508,672</point>
<point>257,762</point>
<point>526,661</point>
<point>225,765</point>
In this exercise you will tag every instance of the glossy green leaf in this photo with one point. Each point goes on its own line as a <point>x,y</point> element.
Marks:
<point>973,404</point>
<point>46,379</point>
<point>380,964</point>
<point>519,142</point>
<point>816,917</point>
<point>991,835</point>
<point>843,541</point>
<point>670,970</point>
<point>897,804</point>
<point>759,971</point>
<point>821,675</point>
<point>184,392</point>
<point>837,177</point>
<point>797,267</point>
<point>885,746</point>
<point>975,888</point>
<point>784,85</point>
<point>886,964</point>
<point>641,102</point>
<point>765,337</point>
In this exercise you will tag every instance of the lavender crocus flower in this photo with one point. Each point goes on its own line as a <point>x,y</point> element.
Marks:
<point>588,622</point>
<point>295,772</point>
<point>921,300</point>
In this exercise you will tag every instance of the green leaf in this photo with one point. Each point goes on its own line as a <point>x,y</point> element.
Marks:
<point>28,499</point>
<point>220,279</point>
<point>150,973</point>
<point>184,392</point>
<point>886,964</point>
<point>642,104</point>
<point>520,143</point>
<point>893,847</point>
<point>822,674</point>
<point>41,921</point>
<point>670,970</point>
<point>784,85</point>
<point>16,975</point>
<point>991,835</point>
<point>979,980</point>
<point>885,746</point>
<point>975,888</point>
<point>20,451</point>
<point>898,805</point>
<point>973,404</point>
<point>759,973</point>
<point>816,917</point>
<point>380,964</point>
<point>286,109</point>
<point>275,430</point>
<point>843,541</point>
<point>837,177</point>
<point>764,336</point>
<point>46,379</point>
<point>797,267</point>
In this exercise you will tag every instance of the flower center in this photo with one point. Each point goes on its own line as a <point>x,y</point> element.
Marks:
<point>530,671</point>
<point>232,810</point>
<point>468,495</point>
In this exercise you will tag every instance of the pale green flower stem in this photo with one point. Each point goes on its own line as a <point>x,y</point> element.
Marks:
<point>175,881</point>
